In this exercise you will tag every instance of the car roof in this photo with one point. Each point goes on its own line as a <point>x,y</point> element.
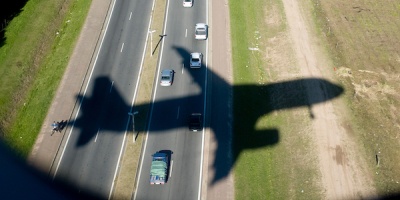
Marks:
<point>166,72</point>
<point>195,55</point>
<point>201,25</point>
<point>160,155</point>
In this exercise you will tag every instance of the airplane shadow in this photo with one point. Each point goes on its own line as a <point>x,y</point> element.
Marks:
<point>105,106</point>
<point>109,109</point>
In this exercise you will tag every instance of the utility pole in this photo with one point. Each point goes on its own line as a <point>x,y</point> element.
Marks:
<point>133,125</point>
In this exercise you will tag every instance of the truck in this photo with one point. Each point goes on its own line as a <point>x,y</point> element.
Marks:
<point>159,168</point>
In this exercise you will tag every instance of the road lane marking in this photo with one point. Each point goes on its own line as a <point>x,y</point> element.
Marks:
<point>183,67</point>
<point>84,94</point>
<point>97,134</point>
<point>130,16</point>
<point>204,116</point>
<point>170,170</point>
<point>112,84</point>
<point>186,33</point>
<point>177,115</point>
<point>122,46</point>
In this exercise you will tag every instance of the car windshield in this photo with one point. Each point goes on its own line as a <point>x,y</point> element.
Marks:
<point>158,159</point>
<point>195,59</point>
<point>201,31</point>
<point>195,119</point>
<point>164,77</point>
<point>188,0</point>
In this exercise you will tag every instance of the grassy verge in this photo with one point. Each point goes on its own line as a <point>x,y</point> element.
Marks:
<point>125,182</point>
<point>273,152</point>
<point>37,48</point>
<point>363,39</point>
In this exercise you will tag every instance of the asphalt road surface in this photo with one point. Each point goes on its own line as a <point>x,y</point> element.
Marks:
<point>168,127</point>
<point>94,144</point>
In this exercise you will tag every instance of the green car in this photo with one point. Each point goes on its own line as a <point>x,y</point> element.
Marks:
<point>159,168</point>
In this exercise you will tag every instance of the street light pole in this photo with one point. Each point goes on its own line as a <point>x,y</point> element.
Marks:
<point>133,125</point>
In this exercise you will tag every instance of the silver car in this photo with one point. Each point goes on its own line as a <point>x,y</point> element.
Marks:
<point>167,77</point>
<point>201,30</point>
<point>195,60</point>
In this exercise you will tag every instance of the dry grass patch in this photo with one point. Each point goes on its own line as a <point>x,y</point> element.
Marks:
<point>364,39</point>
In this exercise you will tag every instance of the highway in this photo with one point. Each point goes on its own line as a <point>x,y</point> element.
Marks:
<point>168,126</point>
<point>90,157</point>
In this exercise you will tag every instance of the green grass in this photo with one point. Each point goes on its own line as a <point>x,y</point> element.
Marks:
<point>252,170</point>
<point>38,45</point>
<point>270,149</point>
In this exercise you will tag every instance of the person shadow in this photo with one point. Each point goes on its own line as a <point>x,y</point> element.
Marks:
<point>63,124</point>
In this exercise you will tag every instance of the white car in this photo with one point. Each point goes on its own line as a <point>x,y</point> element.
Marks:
<point>195,60</point>
<point>187,3</point>
<point>201,30</point>
<point>167,77</point>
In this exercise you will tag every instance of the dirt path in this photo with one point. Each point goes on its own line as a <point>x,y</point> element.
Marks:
<point>342,175</point>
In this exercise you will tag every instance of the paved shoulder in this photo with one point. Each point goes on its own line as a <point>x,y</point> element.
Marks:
<point>48,145</point>
<point>219,177</point>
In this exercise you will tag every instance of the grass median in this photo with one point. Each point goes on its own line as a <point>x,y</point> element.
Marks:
<point>126,179</point>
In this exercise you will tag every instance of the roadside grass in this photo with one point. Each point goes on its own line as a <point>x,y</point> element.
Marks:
<point>274,155</point>
<point>364,41</point>
<point>126,180</point>
<point>38,45</point>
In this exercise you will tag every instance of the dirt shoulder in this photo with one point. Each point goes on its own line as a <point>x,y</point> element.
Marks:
<point>342,173</point>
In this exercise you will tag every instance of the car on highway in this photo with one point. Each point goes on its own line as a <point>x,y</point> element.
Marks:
<point>195,122</point>
<point>167,77</point>
<point>201,31</point>
<point>187,3</point>
<point>159,168</point>
<point>195,60</point>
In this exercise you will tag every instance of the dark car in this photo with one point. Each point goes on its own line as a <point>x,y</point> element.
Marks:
<point>195,122</point>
